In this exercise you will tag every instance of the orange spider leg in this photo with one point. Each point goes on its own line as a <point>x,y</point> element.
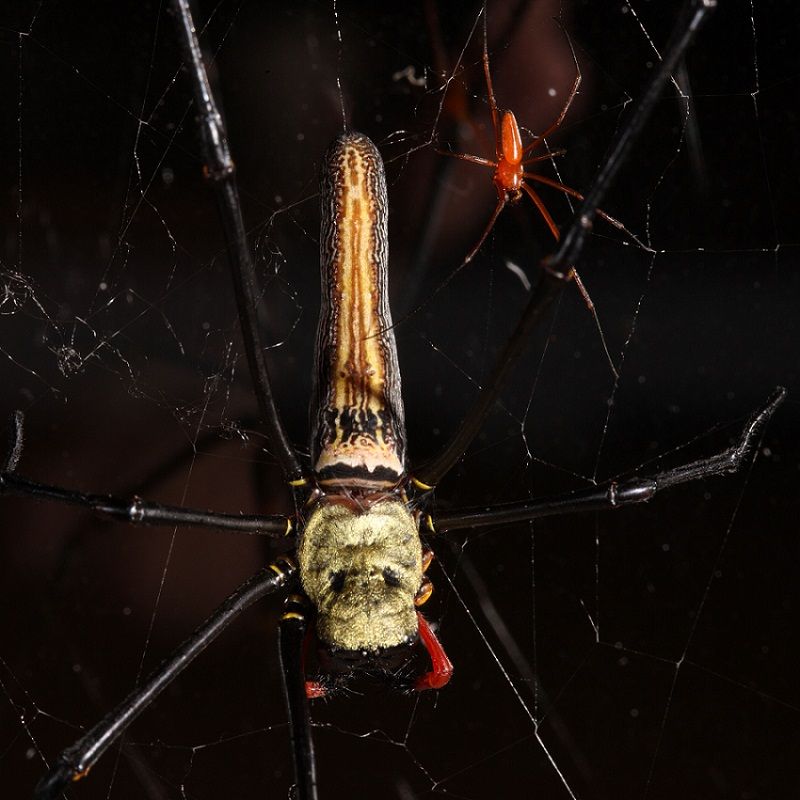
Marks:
<point>574,273</point>
<point>577,195</point>
<point>554,230</point>
<point>484,162</point>
<point>544,157</point>
<point>589,303</point>
<point>498,208</point>
<point>542,210</point>
<point>490,94</point>
<point>559,119</point>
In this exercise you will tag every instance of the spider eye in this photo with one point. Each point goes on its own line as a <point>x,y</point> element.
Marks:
<point>337,580</point>
<point>391,577</point>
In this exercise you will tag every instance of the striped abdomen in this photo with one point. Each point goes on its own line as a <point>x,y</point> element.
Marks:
<point>358,430</point>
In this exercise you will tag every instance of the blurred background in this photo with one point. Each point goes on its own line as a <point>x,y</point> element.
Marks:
<point>646,653</point>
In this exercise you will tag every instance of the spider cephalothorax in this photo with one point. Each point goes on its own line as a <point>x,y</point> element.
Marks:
<point>362,570</point>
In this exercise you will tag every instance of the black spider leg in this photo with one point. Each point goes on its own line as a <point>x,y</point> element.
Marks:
<point>135,510</point>
<point>132,511</point>
<point>77,760</point>
<point>291,638</point>
<point>557,268</point>
<point>614,495</point>
<point>220,170</point>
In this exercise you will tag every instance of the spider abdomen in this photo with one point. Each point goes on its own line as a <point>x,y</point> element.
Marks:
<point>358,429</point>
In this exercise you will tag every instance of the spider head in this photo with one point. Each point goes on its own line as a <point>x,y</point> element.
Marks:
<point>361,569</point>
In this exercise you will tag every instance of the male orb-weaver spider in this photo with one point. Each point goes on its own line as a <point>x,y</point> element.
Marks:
<point>358,470</point>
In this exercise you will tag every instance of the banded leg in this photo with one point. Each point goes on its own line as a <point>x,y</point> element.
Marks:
<point>76,761</point>
<point>292,641</point>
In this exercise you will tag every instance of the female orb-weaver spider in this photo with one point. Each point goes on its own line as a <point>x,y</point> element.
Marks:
<point>370,477</point>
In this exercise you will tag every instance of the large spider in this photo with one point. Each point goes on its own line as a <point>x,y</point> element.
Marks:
<point>359,486</point>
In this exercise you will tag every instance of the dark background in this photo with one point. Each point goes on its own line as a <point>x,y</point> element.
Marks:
<point>118,338</point>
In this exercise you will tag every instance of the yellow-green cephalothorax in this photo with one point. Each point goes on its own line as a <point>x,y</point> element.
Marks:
<point>362,570</point>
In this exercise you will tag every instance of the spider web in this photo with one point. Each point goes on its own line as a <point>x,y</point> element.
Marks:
<point>648,653</point>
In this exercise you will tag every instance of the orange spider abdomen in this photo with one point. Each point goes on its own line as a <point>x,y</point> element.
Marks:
<point>509,167</point>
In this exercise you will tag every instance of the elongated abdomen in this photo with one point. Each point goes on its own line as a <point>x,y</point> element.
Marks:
<point>358,430</point>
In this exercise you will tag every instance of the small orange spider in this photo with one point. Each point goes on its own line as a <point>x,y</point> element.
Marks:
<point>509,168</point>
